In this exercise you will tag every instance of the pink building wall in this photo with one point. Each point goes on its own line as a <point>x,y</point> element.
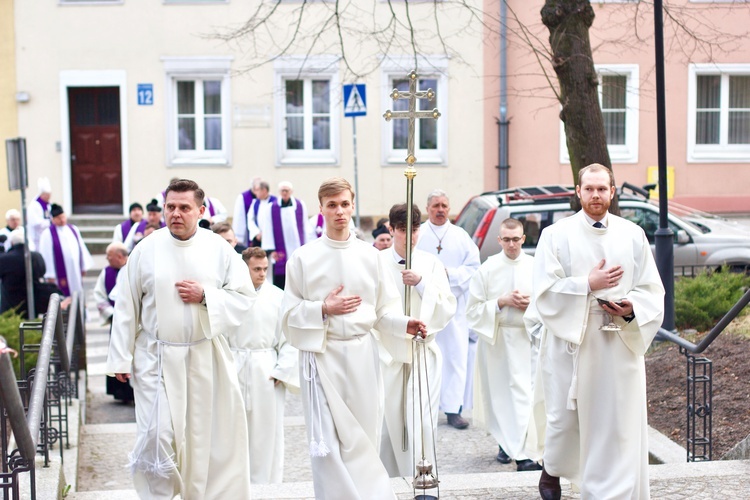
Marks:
<point>534,148</point>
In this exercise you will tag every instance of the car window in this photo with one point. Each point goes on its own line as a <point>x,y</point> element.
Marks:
<point>471,216</point>
<point>534,223</point>
<point>648,220</point>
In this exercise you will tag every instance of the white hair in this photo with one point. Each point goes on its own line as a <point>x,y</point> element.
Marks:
<point>16,236</point>
<point>436,193</point>
<point>286,184</point>
<point>12,213</point>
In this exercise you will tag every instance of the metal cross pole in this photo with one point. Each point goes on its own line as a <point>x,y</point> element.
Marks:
<point>424,479</point>
<point>412,115</point>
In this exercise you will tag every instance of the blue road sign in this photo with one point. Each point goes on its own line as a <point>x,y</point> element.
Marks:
<point>145,94</point>
<point>355,100</point>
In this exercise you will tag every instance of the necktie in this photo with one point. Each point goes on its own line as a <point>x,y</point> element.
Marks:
<point>402,262</point>
<point>598,225</point>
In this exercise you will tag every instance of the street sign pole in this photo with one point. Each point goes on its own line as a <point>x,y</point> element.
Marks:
<point>356,171</point>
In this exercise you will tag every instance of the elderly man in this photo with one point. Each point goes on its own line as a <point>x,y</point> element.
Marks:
<point>259,210</point>
<point>499,294</point>
<point>38,214</point>
<point>183,291</point>
<point>284,230</point>
<point>117,257</point>
<point>593,372</point>
<point>434,304</point>
<point>13,274</point>
<point>138,231</point>
<point>65,254</point>
<point>266,366</point>
<point>460,256</point>
<point>337,293</point>
<point>122,230</point>
<point>12,221</point>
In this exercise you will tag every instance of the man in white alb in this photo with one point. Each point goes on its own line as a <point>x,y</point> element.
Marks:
<point>595,379</point>
<point>65,254</point>
<point>434,304</point>
<point>181,293</point>
<point>460,256</point>
<point>337,292</point>
<point>499,294</point>
<point>266,366</point>
<point>37,212</point>
<point>259,211</point>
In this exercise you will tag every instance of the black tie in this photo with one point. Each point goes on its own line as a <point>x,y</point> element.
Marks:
<point>402,262</point>
<point>598,225</point>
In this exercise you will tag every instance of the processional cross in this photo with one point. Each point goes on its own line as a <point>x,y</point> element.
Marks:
<point>424,479</point>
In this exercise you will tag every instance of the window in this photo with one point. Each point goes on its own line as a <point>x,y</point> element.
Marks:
<point>198,112</point>
<point>618,98</point>
<point>307,110</point>
<point>430,136</point>
<point>719,113</point>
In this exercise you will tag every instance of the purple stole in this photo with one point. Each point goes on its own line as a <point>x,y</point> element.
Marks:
<point>110,278</point>
<point>319,226</point>
<point>44,205</point>
<point>125,228</point>
<point>210,206</point>
<point>278,235</point>
<point>60,271</point>
<point>247,198</point>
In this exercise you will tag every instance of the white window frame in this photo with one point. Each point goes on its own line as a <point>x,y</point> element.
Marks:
<point>618,153</point>
<point>722,152</point>
<point>399,68</point>
<point>198,68</point>
<point>307,68</point>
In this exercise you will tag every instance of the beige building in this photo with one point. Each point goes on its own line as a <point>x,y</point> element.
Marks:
<point>125,95</point>
<point>707,99</point>
<point>8,127</point>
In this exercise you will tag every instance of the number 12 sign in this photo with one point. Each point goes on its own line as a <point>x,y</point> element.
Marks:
<point>145,94</point>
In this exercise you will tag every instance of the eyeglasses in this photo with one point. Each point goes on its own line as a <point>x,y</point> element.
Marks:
<point>508,240</point>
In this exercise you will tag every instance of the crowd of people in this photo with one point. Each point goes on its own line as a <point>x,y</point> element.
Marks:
<point>210,328</point>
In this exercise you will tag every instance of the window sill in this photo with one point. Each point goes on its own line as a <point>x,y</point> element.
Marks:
<point>199,162</point>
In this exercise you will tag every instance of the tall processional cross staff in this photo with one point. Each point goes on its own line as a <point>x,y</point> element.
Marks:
<point>424,479</point>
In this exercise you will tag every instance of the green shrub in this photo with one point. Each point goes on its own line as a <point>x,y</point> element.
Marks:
<point>701,301</point>
<point>10,323</point>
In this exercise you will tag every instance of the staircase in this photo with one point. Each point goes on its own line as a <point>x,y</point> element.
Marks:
<point>96,230</point>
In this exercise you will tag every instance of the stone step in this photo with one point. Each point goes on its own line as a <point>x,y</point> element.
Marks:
<point>96,220</point>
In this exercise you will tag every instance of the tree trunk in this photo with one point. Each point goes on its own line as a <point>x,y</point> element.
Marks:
<point>568,22</point>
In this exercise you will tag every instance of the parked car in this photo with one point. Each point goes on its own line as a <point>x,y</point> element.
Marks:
<point>700,239</point>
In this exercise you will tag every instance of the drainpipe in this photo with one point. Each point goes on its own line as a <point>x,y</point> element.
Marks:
<point>503,122</point>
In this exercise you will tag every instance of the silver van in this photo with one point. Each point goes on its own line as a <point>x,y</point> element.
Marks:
<point>700,239</point>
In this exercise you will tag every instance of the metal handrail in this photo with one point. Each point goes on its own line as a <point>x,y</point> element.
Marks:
<point>11,400</point>
<point>715,331</point>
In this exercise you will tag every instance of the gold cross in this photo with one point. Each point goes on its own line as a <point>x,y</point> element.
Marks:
<point>412,114</point>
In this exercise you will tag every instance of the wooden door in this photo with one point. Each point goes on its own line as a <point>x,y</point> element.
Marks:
<point>95,155</point>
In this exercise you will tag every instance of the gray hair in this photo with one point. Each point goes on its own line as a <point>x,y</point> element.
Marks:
<point>12,213</point>
<point>436,193</point>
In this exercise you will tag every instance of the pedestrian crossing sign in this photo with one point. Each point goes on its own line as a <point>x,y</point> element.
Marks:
<point>355,100</point>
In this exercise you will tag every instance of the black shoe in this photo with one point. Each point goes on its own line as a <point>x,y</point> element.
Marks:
<point>456,421</point>
<point>502,457</point>
<point>549,487</point>
<point>527,465</point>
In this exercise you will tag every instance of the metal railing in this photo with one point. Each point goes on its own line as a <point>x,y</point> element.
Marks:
<point>36,406</point>
<point>700,384</point>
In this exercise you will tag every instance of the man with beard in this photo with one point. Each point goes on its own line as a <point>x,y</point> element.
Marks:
<point>594,378</point>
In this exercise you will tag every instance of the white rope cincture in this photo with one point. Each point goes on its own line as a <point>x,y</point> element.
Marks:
<point>160,467</point>
<point>573,350</point>
<point>310,373</point>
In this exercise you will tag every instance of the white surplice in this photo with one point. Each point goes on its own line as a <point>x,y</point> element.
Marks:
<point>101,297</point>
<point>505,354</point>
<point>37,222</point>
<point>342,392</point>
<point>74,255</point>
<point>288,225</point>
<point>260,354</point>
<point>220,211</point>
<point>254,222</point>
<point>594,380</point>
<point>433,303</point>
<point>460,256</point>
<point>191,426</point>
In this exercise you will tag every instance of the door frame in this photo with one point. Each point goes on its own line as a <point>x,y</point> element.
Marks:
<point>82,78</point>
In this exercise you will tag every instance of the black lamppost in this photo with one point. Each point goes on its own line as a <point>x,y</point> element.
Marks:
<point>664,235</point>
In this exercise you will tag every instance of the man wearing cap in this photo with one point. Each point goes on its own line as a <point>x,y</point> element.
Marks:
<point>382,236</point>
<point>283,230</point>
<point>65,254</point>
<point>138,231</point>
<point>13,273</point>
<point>122,230</point>
<point>38,212</point>
<point>12,221</point>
